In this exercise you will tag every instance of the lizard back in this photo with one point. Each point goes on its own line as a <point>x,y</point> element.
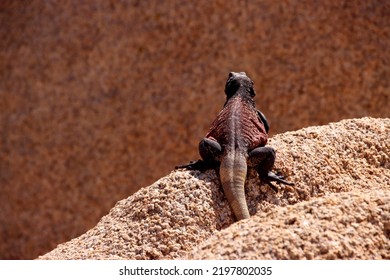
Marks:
<point>237,126</point>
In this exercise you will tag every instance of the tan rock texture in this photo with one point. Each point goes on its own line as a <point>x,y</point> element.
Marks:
<point>339,207</point>
<point>100,98</point>
<point>352,225</point>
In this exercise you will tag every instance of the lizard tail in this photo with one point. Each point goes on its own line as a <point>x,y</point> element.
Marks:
<point>233,171</point>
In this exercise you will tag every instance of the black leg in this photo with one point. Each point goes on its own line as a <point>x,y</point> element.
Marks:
<point>263,159</point>
<point>210,151</point>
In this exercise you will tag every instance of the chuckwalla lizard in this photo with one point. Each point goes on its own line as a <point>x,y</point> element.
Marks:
<point>236,141</point>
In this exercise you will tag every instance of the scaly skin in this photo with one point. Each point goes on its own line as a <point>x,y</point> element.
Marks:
<point>232,174</point>
<point>238,130</point>
<point>237,137</point>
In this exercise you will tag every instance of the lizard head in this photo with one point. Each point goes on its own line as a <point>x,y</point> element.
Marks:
<point>239,83</point>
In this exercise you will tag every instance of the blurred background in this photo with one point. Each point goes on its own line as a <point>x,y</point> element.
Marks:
<point>101,98</point>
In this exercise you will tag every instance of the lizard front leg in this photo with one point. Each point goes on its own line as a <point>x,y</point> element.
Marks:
<point>263,159</point>
<point>210,151</point>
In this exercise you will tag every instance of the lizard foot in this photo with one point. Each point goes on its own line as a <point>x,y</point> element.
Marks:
<point>270,177</point>
<point>195,165</point>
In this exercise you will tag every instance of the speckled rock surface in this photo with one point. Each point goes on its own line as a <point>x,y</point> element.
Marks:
<point>160,221</point>
<point>352,225</point>
<point>338,208</point>
<point>100,98</point>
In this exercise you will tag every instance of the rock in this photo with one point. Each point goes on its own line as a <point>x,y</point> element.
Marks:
<point>339,207</point>
<point>100,98</point>
<point>347,225</point>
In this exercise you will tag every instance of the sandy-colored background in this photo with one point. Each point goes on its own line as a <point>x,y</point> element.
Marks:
<point>101,98</point>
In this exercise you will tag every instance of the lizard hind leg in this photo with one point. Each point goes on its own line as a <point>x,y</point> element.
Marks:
<point>210,151</point>
<point>263,159</point>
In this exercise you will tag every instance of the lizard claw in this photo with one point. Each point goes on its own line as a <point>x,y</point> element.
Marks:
<point>200,165</point>
<point>190,165</point>
<point>194,165</point>
<point>275,189</point>
<point>277,178</point>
